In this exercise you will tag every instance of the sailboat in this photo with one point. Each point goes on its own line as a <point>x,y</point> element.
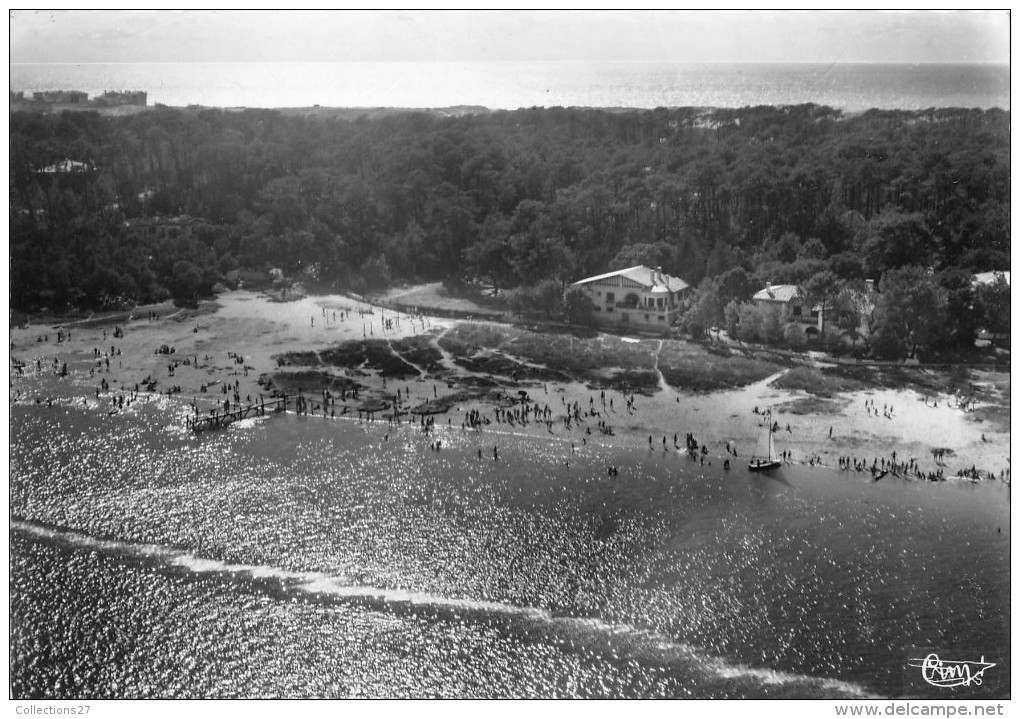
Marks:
<point>765,455</point>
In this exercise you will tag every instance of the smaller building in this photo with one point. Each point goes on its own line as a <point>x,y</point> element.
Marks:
<point>638,298</point>
<point>61,97</point>
<point>990,278</point>
<point>792,305</point>
<point>128,97</point>
<point>67,166</point>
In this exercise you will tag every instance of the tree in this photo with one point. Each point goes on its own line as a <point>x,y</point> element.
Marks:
<point>820,289</point>
<point>705,310</point>
<point>963,316</point>
<point>909,313</point>
<point>659,254</point>
<point>852,307</point>
<point>376,271</point>
<point>896,239</point>
<point>548,297</point>
<point>993,305</point>
<point>787,247</point>
<point>734,285</point>
<point>731,315</point>
<point>185,283</point>
<point>578,307</point>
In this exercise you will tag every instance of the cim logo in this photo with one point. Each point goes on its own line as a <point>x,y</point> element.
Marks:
<point>948,673</point>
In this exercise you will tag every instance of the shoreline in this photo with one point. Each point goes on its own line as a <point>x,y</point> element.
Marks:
<point>238,340</point>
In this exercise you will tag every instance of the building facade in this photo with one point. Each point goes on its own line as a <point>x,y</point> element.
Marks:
<point>791,304</point>
<point>635,299</point>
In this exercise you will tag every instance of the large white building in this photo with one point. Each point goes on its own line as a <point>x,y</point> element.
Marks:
<point>638,298</point>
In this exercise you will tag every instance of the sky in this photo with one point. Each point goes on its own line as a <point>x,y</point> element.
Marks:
<point>916,36</point>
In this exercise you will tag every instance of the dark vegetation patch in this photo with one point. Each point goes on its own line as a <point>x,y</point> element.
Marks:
<point>996,416</point>
<point>292,382</point>
<point>899,377</point>
<point>478,382</point>
<point>421,351</point>
<point>603,361</point>
<point>696,368</point>
<point>447,402</point>
<point>819,382</point>
<point>299,359</point>
<point>498,364</point>
<point>561,357</point>
<point>811,405</point>
<point>374,405</point>
<point>371,354</point>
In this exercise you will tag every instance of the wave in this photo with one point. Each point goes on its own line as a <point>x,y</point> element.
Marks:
<point>615,641</point>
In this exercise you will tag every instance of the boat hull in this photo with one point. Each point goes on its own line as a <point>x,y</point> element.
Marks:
<point>762,466</point>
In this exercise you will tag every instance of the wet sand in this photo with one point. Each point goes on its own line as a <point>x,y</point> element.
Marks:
<point>250,326</point>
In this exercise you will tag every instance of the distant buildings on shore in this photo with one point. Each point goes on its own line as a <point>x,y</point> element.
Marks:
<point>48,99</point>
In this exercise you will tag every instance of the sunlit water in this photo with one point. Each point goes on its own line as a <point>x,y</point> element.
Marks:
<point>299,556</point>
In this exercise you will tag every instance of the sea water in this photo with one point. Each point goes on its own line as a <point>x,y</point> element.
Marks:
<point>511,85</point>
<point>302,556</point>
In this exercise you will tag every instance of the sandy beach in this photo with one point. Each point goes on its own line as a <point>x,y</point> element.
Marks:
<point>238,339</point>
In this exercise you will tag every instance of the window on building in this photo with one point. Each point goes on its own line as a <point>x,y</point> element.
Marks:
<point>796,310</point>
<point>610,297</point>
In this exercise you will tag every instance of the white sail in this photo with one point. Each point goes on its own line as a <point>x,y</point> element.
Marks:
<point>765,448</point>
<point>765,455</point>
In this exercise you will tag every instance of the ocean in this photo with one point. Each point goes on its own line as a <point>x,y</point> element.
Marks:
<point>296,556</point>
<point>511,85</point>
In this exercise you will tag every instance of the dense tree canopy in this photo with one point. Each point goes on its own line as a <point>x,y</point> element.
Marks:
<point>516,197</point>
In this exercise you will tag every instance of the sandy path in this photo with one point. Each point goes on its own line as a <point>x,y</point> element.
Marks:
<point>255,329</point>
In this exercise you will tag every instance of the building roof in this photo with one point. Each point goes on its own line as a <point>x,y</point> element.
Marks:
<point>66,166</point>
<point>777,293</point>
<point>651,280</point>
<point>988,278</point>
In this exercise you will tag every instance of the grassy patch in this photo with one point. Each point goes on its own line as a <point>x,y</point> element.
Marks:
<point>691,367</point>
<point>371,354</point>
<point>504,351</point>
<point>421,351</point>
<point>811,405</point>
<point>915,378</point>
<point>996,416</point>
<point>293,382</point>
<point>821,383</point>
<point>498,364</point>
<point>602,361</point>
<point>299,359</point>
